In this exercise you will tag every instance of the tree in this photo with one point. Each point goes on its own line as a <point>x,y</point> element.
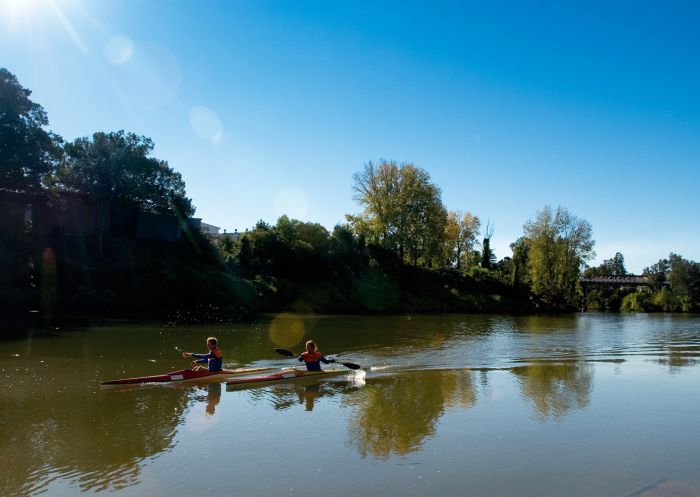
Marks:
<point>609,267</point>
<point>685,282</point>
<point>488,258</point>
<point>684,278</point>
<point>559,245</point>
<point>403,210</point>
<point>298,234</point>
<point>520,248</point>
<point>461,231</point>
<point>28,153</point>
<point>116,167</point>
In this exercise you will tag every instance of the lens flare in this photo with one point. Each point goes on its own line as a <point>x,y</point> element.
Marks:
<point>287,330</point>
<point>119,50</point>
<point>206,124</point>
<point>150,78</point>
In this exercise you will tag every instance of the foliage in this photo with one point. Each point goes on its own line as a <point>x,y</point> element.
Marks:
<point>402,211</point>
<point>609,267</point>
<point>684,278</point>
<point>634,302</point>
<point>116,166</point>
<point>28,152</point>
<point>488,258</point>
<point>461,231</point>
<point>559,245</point>
<point>521,249</point>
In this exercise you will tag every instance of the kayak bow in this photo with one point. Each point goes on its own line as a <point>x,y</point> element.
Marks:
<point>186,375</point>
<point>285,375</point>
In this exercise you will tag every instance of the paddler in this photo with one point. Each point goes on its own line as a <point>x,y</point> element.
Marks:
<point>214,358</point>
<point>313,358</point>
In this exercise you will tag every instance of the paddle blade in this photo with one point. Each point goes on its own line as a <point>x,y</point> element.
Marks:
<point>351,365</point>
<point>285,352</point>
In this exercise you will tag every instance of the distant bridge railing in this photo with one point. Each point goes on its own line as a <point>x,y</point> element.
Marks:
<point>629,280</point>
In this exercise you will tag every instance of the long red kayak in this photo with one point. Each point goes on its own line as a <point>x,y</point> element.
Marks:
<point>285,375</point>
<point>186,375</point>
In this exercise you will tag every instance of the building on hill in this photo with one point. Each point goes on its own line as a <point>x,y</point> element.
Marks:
<point>230,236</point>
<point>210,230</point>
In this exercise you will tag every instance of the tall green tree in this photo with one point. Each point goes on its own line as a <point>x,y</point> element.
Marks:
<point>402,210</point>
<point>28,153</point>
<point>520,248</point>
<point>559,246</point>
<point>461,231</point>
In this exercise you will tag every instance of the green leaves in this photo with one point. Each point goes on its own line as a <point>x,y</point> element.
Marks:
<point>117,166</point>
<point>559,244</point>
<point>403,211</point>
<point>27,152</point>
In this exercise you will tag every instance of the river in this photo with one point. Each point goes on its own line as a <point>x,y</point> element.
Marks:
<point>583,405</point>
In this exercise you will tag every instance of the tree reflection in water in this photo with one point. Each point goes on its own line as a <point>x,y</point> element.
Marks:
<point>397,414</point>
<point>556,388</point>
<point>98,441</point>
<point>679,351</point>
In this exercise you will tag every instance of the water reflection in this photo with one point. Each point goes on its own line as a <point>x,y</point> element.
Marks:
<point>396,414</point>
<point>59,432</point>
<point>95,441</point>
<point>556,388</point>
<point>304,392</point>
<point>212,397</point>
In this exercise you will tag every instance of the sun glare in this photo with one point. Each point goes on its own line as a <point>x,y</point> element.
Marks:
<point>34,18</point>
<point>20,11</point>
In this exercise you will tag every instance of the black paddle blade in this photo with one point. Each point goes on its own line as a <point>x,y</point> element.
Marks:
<point>351,365</point>
<point>286,352</point>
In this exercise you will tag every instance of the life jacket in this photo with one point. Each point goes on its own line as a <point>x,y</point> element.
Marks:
<point>313,360</point>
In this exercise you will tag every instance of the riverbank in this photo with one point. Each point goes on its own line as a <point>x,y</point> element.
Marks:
<point>189,282</point>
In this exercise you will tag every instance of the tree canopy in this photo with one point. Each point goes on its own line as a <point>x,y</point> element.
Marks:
<point>117,166</point>
<point>461,231</point>
<point>609,267</point>
<point>403,211</point>
<point>27,151</point>
<point>559,246</point>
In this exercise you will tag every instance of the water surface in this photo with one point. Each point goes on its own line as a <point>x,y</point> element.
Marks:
<point>589,405</point>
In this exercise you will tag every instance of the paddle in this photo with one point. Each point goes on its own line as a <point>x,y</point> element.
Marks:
<point>188,359</point>
<point>289,353</point>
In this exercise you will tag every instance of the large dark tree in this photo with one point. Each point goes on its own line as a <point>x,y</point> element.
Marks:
<point>116,167</point>
<point>28,152</point>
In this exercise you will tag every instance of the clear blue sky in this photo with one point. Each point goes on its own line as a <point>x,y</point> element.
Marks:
<point>270,107</point>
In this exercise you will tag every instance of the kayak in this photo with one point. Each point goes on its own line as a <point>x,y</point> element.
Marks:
<point>186,375</point>
<point>286,375</point>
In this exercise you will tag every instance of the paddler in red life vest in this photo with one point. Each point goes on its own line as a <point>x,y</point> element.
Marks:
<point>214,358</point>
<point>312,358</point>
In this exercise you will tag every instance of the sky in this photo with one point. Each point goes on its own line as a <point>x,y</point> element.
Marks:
<point>269,108</point>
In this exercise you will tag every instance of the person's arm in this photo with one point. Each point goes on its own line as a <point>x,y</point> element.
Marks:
<point>300,357</point>
<point>203,358</point>
<point>326,361</point>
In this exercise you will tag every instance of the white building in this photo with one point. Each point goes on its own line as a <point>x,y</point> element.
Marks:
<point>231,236</point>
<point>210,230</point>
